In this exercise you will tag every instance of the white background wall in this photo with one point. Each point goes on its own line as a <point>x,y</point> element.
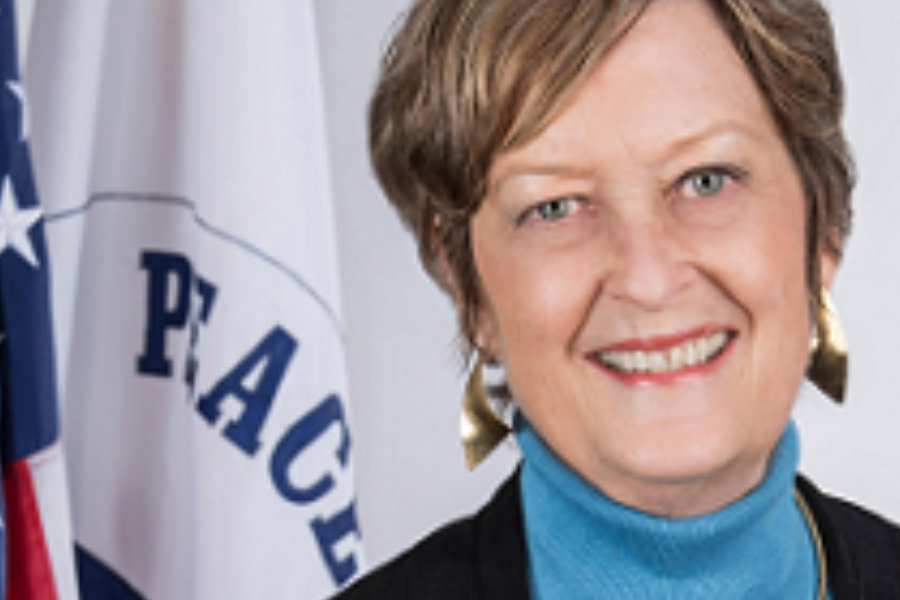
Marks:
<point>406,378</point>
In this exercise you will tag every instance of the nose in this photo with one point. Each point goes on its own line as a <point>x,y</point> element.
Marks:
<point>650,265</point>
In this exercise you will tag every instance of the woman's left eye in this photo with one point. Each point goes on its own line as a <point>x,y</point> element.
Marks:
<point>705,183</point>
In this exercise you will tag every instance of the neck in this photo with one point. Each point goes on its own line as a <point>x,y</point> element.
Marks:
<point>689,497</point>
<point>582,544</point>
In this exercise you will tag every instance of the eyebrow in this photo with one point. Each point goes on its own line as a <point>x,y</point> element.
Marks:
<point>528,168</point>
<point>717,131</point>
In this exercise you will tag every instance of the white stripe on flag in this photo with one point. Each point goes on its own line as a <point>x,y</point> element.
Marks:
<point>49,479</point>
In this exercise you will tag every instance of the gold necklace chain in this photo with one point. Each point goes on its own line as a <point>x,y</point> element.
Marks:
<point>822,591</point>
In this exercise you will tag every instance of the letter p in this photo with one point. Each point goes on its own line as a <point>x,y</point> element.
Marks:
<point>168,306</point>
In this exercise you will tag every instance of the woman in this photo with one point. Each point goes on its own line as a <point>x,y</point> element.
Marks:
<point>638,208</point>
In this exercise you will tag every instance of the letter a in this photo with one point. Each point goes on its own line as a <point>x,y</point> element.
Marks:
<point>274,353</point>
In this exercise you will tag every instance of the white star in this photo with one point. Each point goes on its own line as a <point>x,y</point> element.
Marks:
<point>16,88</point>
<point>15,223</point>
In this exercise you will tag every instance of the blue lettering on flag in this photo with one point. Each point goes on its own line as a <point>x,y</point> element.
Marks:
<point>207,295</point>
<point>330,412</point>
<point>172,276</point>
<point>329,532</point>
<point>274,353</point>
<point>178,299</point>
<point>162,268</point>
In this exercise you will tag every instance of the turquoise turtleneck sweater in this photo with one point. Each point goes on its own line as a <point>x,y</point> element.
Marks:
<point>582,544</point>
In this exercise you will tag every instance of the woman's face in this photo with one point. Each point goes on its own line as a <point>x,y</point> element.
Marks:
<point>642,269</point>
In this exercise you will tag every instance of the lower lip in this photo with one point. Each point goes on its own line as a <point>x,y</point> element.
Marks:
<point>669,377</point>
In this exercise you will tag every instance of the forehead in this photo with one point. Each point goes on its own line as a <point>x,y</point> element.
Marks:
<point>672,77</point>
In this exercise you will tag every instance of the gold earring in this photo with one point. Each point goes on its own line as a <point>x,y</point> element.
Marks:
<point>479,427</point>
<point>828,364</point>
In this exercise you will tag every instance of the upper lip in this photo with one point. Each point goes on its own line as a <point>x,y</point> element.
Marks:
<point>663,341</point>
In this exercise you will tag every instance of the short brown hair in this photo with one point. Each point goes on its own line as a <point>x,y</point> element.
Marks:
<point>466,80</point>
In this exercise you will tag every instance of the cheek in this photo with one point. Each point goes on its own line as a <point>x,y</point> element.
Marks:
<point>778,271</point>
<point>529,300</point>
<point>761,259</point>
<point>766,276</point>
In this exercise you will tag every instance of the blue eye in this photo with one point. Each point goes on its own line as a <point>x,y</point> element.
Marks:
<point>706,183</point>
<point>556,209</point>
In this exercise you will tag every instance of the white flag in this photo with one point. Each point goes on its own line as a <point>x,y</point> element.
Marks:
<point>180,147</point>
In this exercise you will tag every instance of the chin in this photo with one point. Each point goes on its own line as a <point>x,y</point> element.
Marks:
<point>691,458</point>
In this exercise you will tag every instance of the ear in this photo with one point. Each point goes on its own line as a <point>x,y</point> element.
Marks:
<point>829,260</point>
<point>828,263</point>
<point>487,336</point>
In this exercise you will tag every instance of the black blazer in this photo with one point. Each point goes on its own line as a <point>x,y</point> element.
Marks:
<point>484,557</point>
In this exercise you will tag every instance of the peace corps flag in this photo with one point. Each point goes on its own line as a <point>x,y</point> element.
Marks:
<point>35,541</point>
<point>180,146</point>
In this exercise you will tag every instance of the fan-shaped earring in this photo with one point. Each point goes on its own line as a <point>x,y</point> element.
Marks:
<point>480,429</point>
<point>828,361</point>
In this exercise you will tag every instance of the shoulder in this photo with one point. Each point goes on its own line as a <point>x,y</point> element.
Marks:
<point>862,548</point>
<point>482,556</point>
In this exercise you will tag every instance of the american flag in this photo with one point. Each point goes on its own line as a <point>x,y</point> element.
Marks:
<point>34,498</point>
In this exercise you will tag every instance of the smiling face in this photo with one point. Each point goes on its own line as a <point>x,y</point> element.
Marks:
<point>642,271</point>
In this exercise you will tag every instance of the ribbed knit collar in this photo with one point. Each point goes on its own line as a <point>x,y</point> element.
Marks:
<point>582,544</point>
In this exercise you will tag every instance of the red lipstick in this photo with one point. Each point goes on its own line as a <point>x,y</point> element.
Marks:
<point>664,344</point>
<point>658,343</point>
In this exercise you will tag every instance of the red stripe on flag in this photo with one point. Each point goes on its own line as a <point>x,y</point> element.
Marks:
<point>29,572</point>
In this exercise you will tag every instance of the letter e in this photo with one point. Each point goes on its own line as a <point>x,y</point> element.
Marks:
<point>328,534</point>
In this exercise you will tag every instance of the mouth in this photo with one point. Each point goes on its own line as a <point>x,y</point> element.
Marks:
<point>665,358</point>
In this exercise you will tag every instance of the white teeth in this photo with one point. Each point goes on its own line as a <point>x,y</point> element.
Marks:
<point>640,362</point>
<point>691,352</point>
<point>676,357</point>
<point>687,354</point>
<point>718,339</point>
<point>657,362</point>
<point>702,349</point>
